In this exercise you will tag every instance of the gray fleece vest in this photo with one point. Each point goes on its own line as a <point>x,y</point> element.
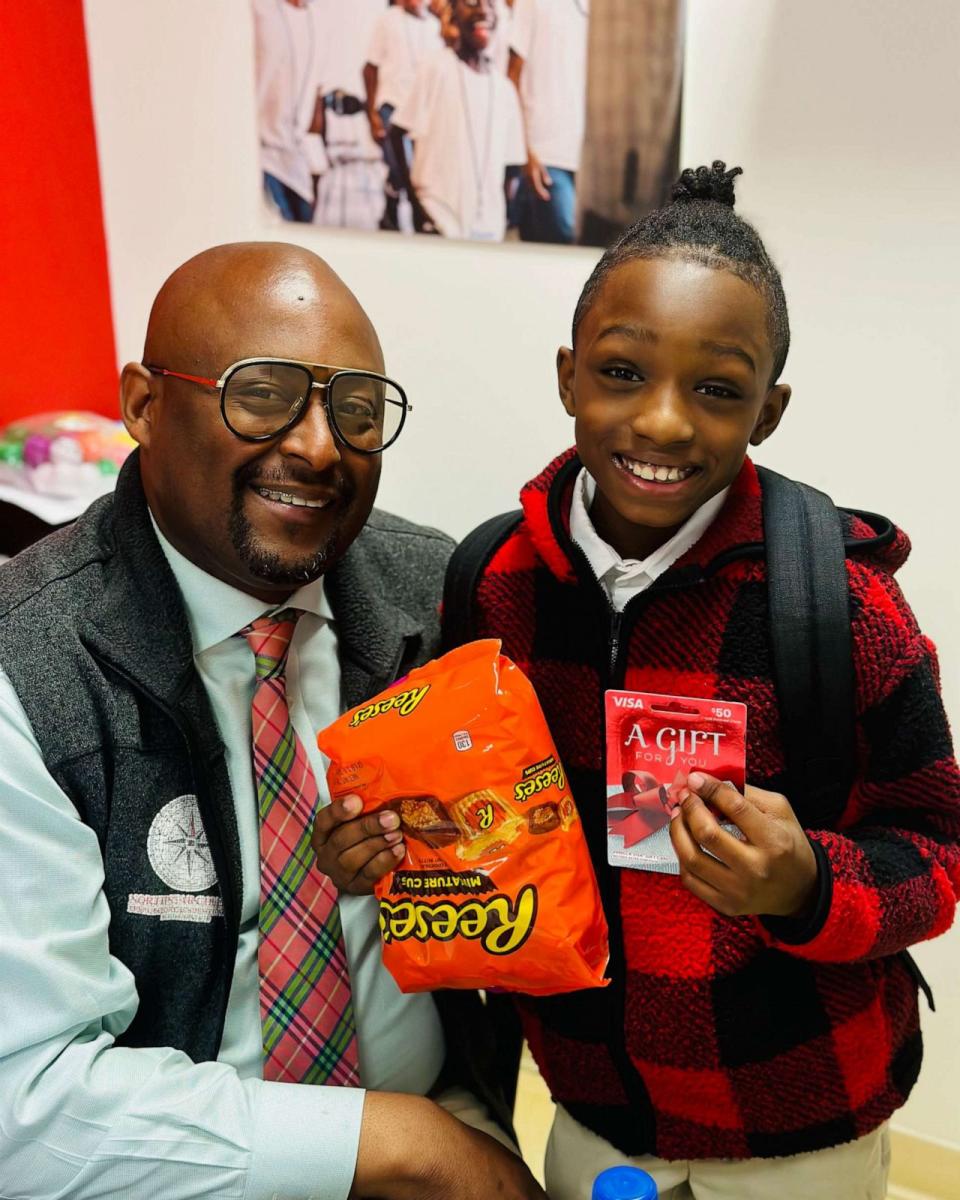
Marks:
<point>94,638</point>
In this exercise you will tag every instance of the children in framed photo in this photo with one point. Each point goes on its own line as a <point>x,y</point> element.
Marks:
<point>485,120</point>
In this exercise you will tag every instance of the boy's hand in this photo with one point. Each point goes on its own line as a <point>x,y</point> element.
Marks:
<point>356,851</point>
<point>538,176</point>
<point>773,872</point>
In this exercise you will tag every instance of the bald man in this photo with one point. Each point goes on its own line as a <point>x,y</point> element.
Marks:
<point>155,1041</point>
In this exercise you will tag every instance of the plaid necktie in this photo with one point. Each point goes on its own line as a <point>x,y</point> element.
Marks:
<point>306,1009</point>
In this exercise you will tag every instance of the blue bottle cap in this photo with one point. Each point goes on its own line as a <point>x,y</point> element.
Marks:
<point>624,1183</point>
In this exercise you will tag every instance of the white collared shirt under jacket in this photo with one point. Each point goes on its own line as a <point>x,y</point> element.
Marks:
<point>624,578</point>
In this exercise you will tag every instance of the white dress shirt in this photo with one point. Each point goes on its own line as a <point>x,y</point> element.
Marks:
<point>83,1118</point>
<point>624,578</point>
<point>290,53</point>
<point>398,43</point>
<point>551,38</point>
<point>466,129</point>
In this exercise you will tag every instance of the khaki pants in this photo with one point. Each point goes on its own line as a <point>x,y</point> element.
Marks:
<point>855,1171</point>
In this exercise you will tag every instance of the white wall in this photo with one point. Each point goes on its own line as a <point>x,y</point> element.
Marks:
<point>842,114</point>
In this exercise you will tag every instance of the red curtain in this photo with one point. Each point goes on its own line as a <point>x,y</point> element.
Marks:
<point>56,328</point>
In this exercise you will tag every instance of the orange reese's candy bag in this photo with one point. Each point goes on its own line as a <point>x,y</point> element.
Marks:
<point>496,889</point>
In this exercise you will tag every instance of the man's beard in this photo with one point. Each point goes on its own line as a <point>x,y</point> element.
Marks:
<point>267,564</point>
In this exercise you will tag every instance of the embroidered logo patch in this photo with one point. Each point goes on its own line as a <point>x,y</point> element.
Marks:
<point>177,847</point>
<point>176,907</point>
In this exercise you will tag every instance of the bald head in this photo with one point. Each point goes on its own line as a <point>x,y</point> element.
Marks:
<point>267,512</point>
<point>234,301</point>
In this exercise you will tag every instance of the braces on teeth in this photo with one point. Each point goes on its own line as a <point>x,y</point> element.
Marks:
<point>287,498</point>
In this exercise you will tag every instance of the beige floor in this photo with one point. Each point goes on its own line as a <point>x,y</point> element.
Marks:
<point>534,1115</point>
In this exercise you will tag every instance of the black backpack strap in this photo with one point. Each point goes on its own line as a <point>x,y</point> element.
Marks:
<point>811,644</point>
<point>463,574</point>
<point>812,647</point>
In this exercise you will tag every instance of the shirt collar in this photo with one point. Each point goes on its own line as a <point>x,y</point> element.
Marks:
<point>216,611</point>
<point>602,557</point>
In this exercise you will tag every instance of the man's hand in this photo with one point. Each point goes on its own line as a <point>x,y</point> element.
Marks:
<point>538,176</point>
<point>377,129</point>
<point>356,851</point>
<point>411,1149</point>
<point>318,122</point>
<point>772,872</point>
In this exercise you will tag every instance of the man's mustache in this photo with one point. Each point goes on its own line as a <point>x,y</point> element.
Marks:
<point>254,475</point>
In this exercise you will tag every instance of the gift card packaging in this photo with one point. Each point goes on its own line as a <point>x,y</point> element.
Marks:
<point>653,743</point>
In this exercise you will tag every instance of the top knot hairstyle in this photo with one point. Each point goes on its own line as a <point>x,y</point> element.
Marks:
<point>699,225</point>
<point>706,183</point>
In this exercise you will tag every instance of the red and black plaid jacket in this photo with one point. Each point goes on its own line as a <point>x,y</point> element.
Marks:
<point>718,1036</point>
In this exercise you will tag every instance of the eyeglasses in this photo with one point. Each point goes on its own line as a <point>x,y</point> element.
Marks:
<point>260,398</point>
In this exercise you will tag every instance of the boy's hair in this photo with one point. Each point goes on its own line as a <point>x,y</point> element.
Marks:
<point>699,225</point>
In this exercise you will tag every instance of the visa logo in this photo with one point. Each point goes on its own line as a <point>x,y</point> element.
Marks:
<point>627,701</point>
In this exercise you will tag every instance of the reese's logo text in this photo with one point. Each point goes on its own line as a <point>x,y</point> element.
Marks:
<point>402,703</point>
<point>538,777</point>
<point>500,924</point>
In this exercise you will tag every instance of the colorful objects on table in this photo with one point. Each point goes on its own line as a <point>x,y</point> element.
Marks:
<point>68,454</point>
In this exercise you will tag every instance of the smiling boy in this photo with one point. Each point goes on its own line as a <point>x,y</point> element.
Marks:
<point>701,331</point>
<point>762,1020</point>
<point>761,1023</point>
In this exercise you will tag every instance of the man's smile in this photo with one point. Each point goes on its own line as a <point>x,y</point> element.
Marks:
<point>296,499</point>
<point>293,507</point>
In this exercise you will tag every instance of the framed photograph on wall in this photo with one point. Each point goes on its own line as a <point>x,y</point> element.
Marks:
<point>486,120</point>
